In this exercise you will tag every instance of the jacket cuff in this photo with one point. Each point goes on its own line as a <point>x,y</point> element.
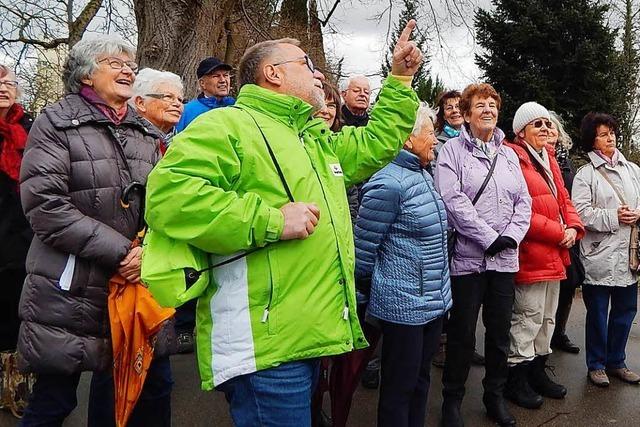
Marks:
<point>275,225</point>
<point>405,80</point>
<point>613,220</point>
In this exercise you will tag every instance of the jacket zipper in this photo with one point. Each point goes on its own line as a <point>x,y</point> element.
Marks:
<point>421,281</point>
<point>443,231</point>
<point>345,311</point>
<point>265,314</point>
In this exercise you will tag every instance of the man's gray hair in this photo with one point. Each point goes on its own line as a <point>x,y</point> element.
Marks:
<point>423,114</point>
<point>563,137</point>
<point>344,84</point>
<point>148,80</point>
<point>254,56</point>
<point>83,57</point>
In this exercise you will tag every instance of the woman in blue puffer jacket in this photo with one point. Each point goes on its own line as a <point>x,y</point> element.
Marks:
<point>401,248</point>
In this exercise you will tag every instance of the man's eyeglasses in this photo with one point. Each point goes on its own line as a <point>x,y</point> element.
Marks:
<point>11,84</point>
<point>118,64</point>
<point>538,124</point>
<point>305,58</point>
<point>166,97</point>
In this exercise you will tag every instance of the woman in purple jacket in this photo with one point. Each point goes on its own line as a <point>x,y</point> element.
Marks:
<point>485,256</point>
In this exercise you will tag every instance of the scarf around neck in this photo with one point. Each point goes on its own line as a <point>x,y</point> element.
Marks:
<point>13,138</point>
<point>450,131</point>
<point>91,96</point>
<point>542,159</point>
<point>613,161</point>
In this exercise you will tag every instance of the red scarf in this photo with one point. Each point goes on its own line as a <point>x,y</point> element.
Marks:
<point>14,138</point>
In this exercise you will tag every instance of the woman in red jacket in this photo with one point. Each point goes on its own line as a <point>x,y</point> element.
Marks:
<point>543,254</point>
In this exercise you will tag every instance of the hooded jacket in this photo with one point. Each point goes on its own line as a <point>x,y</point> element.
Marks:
<point>201,105</point>
<point>75,166</point>
<point>541,258</point>
<point>504,208</point>
<point>218,189</point>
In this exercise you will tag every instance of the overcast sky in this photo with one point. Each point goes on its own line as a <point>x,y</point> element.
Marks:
<point>361,40</point>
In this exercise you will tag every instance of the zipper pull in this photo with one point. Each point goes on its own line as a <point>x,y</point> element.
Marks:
<point>265,315</point>
<point>345,313</point>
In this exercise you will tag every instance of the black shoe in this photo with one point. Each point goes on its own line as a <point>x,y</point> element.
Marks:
<point>185,343</point>
<point>477,359</point>
<point>371,378</point>
<point>517,389</point>
<point>563,343</point>
<point>540,381</point>
<point>498,412</point>
<point>451,416</point>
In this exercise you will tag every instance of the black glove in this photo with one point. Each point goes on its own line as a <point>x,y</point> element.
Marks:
<point>364,286</point>
<point>500,244</point>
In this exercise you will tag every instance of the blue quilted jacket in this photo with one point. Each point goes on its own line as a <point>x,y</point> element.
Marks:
<point>401,244</point>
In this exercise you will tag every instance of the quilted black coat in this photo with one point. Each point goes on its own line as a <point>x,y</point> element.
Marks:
<point>76,165</point>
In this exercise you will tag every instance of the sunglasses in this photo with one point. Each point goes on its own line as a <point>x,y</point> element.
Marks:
<point>538,124</point>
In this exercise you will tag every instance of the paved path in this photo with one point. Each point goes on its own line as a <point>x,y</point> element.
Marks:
<point>585,405</point>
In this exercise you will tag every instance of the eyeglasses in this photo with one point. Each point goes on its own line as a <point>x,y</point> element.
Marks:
<point>118,64</point>
<point>306,59</point>
<point>166,97</point>
<point>538,124</point>
<point>11,84</point>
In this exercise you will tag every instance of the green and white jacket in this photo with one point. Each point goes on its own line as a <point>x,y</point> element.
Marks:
<point>217,188</point>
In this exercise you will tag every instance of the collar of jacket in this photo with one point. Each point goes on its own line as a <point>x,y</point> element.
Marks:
<point>351,119</point>
<point>72,111</point>
<point>213,102</point>
<point>408,160</point>
<point>289,110</point>
<point>598,161</point>
<point>467,140</point>
<point>523,154</point>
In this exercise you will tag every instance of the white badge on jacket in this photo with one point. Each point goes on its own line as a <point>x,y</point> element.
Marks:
<point>336,169</point>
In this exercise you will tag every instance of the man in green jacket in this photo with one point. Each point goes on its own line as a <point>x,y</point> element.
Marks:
<point>266,180</point>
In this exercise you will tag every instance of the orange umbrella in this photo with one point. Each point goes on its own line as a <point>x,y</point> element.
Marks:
<point>135,319</point>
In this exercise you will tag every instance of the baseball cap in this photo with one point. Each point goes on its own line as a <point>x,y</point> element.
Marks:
<point>210,64</point>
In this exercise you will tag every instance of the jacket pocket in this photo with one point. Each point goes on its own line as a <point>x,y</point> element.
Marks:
<point>270,313</point>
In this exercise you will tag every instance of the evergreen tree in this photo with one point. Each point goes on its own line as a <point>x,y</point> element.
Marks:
<point>425,86</point>
<point>559,53</point>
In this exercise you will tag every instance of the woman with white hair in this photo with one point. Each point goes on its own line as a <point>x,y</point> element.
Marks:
<point>401,247</point>
<point>158,96</point>
<point>85,158</point>
<point>561,142</point>
<point>15,233</point>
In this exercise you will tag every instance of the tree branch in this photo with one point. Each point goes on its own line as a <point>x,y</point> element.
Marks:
<point>333,9</point>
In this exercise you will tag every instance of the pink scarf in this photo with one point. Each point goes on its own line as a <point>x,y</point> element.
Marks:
<point>92,97</point>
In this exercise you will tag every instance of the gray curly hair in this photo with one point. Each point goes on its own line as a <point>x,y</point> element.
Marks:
<point>83,57</point>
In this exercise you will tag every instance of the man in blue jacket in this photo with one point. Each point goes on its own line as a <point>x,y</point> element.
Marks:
<point>214,79</point>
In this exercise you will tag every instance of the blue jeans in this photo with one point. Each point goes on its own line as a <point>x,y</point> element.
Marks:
<point>54,397</point>
<point>607,331</point>
<point>279,396</point>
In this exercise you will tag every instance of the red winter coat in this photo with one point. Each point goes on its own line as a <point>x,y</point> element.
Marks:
<point>541,258</point>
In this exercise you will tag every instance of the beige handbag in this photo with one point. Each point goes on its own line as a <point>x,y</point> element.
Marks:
<point>634,244</point>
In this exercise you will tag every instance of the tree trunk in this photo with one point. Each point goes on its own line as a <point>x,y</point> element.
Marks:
<point>177,35</point>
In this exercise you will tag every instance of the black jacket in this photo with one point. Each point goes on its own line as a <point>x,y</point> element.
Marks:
<point>15,233</point>
<point>75,167</point>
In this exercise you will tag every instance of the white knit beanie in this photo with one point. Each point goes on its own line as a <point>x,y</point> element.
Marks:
<point>528,112</point>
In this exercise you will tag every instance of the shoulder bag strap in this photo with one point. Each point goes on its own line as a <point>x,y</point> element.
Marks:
<point>486,179</point>
<point>606,178</point>
<point>191,274</point>
<point>273,157</point>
